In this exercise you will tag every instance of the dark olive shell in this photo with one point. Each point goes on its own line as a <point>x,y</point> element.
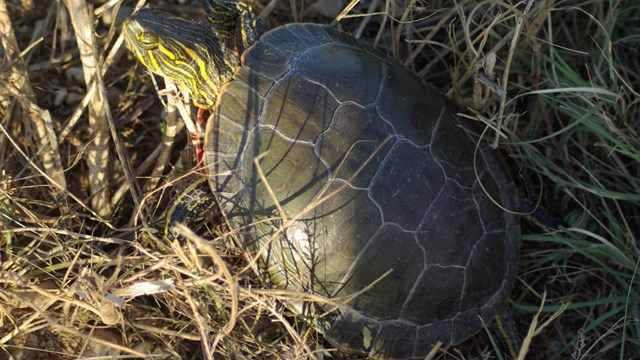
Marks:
<point>356,182</point>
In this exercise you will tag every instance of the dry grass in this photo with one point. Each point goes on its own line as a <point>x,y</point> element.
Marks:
<point>88,164</point>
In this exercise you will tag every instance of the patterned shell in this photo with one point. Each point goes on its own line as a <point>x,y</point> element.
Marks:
<point>353,180</point>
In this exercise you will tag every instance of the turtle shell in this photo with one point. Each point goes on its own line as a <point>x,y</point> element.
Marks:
<point>353,180</point>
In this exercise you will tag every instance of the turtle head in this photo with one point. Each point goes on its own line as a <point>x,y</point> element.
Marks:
<point>188,53</point>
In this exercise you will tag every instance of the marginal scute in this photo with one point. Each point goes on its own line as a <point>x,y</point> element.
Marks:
<point>436,294</point>
<point>402,96</point>
<point>467,322</point>
<point>345,73</point>
<point>223,144</point>
<point>454,150</point>
<point>393,340</point>
<point>344,220</point>
<point>345,330</point>
<point>390,280</point>
<point>260,82</point>
<point>486,193</point>
<point>292,172</point>
<point>266,61</point>
<point>284,41</point>
<point>482,284</point>
<point>432,333</point>
<point>310,36</point>
<point>242,104</point>
<point>450,245</point>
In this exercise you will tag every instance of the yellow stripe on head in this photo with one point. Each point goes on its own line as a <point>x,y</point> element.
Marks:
<point>167,52</point>
<point>183,51</point>
<point>153,63</point>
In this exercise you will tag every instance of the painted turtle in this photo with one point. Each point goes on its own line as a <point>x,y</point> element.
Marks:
<point>350,177</point>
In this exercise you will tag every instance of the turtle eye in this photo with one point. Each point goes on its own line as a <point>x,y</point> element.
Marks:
<point>148,40</point>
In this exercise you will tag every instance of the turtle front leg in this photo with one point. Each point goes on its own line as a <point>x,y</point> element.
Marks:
<point>191,207</point>
<point>233,19</point>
